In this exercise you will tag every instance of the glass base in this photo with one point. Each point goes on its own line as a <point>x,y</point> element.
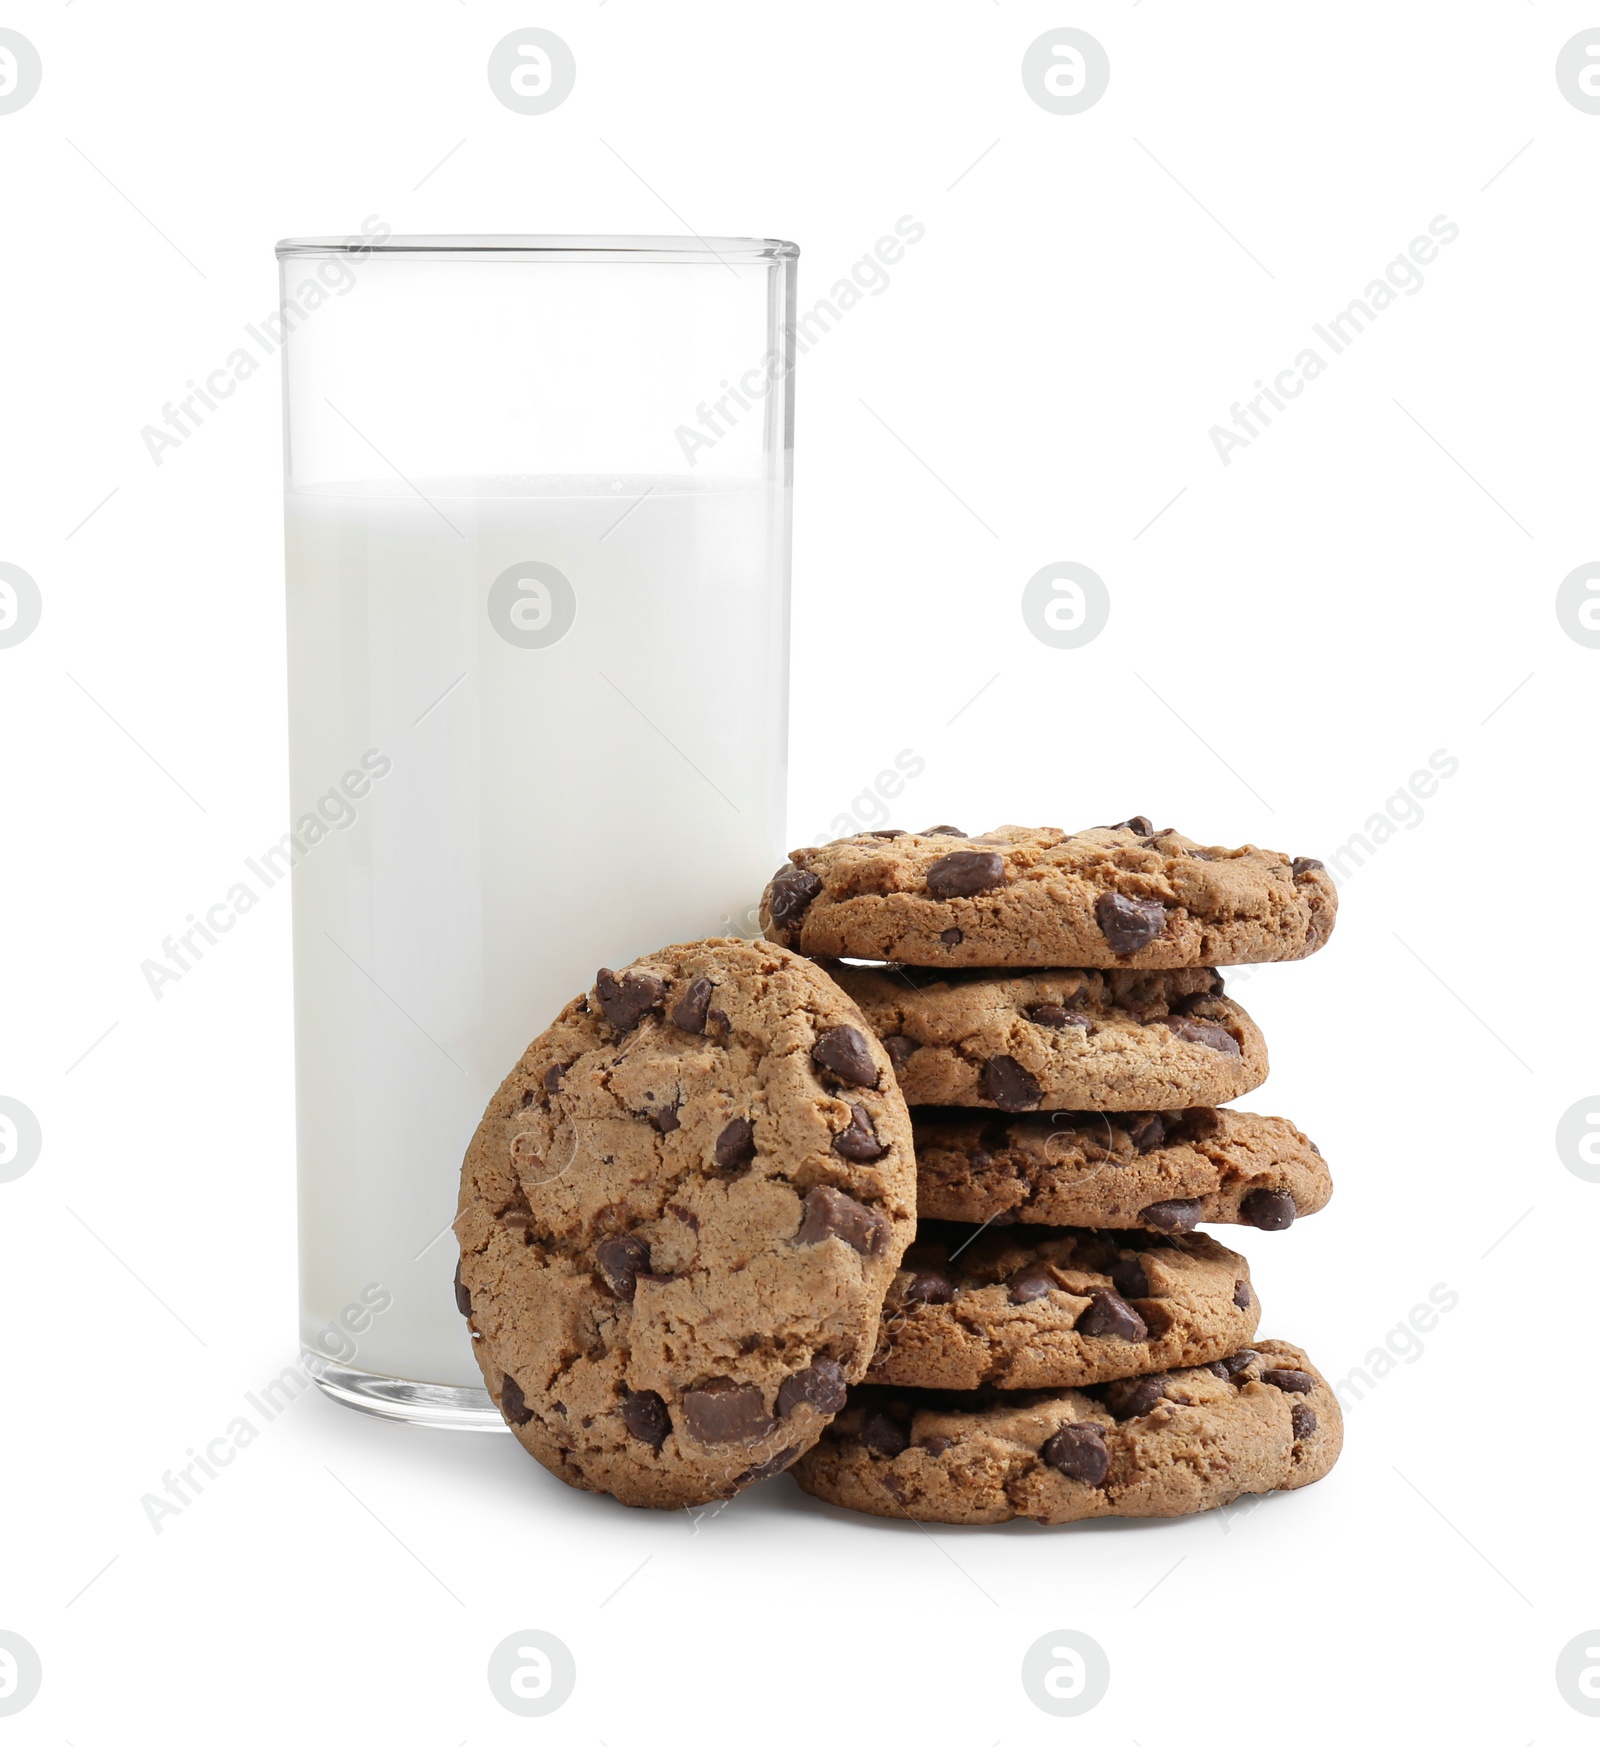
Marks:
<point>439,1405</point>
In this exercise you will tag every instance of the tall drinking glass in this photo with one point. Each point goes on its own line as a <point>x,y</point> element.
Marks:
<point>538,509</point>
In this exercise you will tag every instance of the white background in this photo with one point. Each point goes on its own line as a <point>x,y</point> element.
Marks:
<point>1370,581</point>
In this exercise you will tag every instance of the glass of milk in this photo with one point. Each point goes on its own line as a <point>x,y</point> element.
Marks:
<point>538,510</point>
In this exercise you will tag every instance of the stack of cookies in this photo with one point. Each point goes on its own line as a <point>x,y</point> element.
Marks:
<point>920,1229</point>
<point>1059,1341</point>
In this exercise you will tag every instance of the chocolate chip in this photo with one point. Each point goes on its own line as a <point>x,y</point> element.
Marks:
<point>1008,1083</point>
<point>821,1385</point>
<point>936,1446</point>
<point>514,1409</point>
<point>621,1260</point>
<point>736,1145</point>
<point>1241,1295</point>
<point>1173,1216</point>
<point>1302,1420</point>
<point>1234,1363</point>
<point>1057,1017</point>
<point>882,1435</point>
<point>773,1464</point>
<point>1202,1032</point>
<point>843,1052</point>
<point>1112,1317</point>
<point>667,1120</point>
<point>553,1076</point>
<point>1304,864</point>
<point>688,1217</point>
<point>966,871</point>
<point>1080,1453</point>
<point>951,937</point>
<point>930,1285</point>
<point>1133,1397</point>
<point>885,835</point>
<point>527,1098</point>
<point>1295,1382</point>
<point>942,831</point>
<point>828,1212</point>
<point>690,1012</point>
<point>1030,1284</point>
<point>790,895</point>
<point>1130,1279</point>
<point>1268,1209</point>
<point>463,1296</point>
<point>1138,824</point>
<point>625,1000</point>
<point>1147,1132</point>
<point>901,1049</point>
<point>725,1412</point>
<point>645,1415</point>
<point>860,1140</point>
<point>1129,923</point>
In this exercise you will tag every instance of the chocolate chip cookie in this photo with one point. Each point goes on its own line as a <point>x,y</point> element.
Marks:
<point>1156,1446</point>
<point>1157,1170</point>
<point>1118,895</point>
<point>678,1220</point>
<point>1060,1040</point>
<point>1037,1307</point>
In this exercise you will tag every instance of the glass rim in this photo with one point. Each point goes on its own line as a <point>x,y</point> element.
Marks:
<point>728,251</point>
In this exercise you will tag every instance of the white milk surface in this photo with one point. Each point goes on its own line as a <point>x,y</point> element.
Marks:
<point>479,825</point>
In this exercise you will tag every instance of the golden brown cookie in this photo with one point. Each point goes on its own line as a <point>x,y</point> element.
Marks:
<point>1036,1307</point>
<point>1060,1040</point>
<point>1158,1446</point>
<point>1119,895</point>
<point>678,1220</point>
<point>1157,1170</point>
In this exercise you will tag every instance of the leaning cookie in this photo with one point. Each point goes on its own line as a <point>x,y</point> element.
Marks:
<point>1034,1307</point>
<point>1159,1446</point>
<point>1160,1171</point>
<point>678,1221</point>
<point>1060,1040</point>
<point>1117,895</point>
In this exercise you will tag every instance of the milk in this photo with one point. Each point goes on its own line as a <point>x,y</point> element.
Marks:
<point>497,821</point>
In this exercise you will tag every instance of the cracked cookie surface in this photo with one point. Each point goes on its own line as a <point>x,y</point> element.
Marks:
<point>678,1220</point>
<point>1153,1170</point>
<point>1118,895</point>
<point>1036,1307</point>
<point>1261,1420</point>
<point>1060,1039</point>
